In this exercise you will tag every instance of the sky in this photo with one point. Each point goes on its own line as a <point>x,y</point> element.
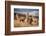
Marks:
<point>34,12</point>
